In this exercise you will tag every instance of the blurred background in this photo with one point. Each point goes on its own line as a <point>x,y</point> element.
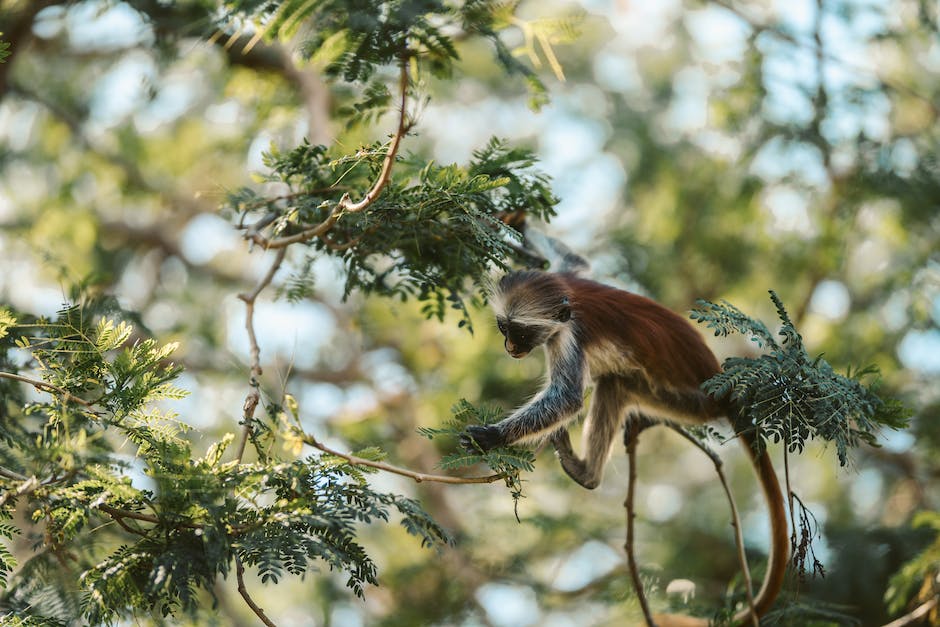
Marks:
<point>700,150</point>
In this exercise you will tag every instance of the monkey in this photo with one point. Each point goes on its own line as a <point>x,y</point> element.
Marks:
<point>645,362</point>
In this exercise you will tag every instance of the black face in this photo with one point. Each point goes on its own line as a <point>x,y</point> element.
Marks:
<point>520,339</point>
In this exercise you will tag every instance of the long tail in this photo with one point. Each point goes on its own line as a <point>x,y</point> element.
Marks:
<point>779,547</point>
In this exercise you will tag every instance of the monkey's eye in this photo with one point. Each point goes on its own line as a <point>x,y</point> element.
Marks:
<point>501,326</point>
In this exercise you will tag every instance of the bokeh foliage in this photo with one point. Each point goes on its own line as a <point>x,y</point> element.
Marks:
<point>820,183</point>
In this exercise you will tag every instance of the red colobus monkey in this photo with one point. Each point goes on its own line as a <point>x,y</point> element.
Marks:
<point>645,361</point>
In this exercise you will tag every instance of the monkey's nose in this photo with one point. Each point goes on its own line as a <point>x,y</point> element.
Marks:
<point>513,350</point>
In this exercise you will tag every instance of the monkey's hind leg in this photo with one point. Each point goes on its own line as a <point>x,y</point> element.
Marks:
<point>600,428</point>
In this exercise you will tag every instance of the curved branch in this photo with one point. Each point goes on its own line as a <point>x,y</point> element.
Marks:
<point>418,477</point>
<point>735,518</point>
<point>918,613</point>
<point>345,204</point>
<point>634,435</point>
<point>242,590</point>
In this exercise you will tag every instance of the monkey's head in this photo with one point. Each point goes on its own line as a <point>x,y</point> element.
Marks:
<point>530,307</point>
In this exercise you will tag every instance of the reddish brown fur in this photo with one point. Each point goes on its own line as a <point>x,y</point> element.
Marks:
<point>660,357</point>
<point>663,342</point>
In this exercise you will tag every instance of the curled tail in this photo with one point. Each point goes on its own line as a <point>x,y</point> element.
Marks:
<point>779,547</point>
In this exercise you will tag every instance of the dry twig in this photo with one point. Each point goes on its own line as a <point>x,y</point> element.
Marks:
<point>735,518</point>
<point>418,477</point>
<point>634,434</point>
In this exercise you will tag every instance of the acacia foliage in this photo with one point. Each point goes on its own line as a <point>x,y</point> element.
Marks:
<point>180,523</point>
<point>433,231</point>
<point>786,395</point>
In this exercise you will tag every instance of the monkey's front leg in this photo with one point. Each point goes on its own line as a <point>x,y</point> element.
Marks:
<point>533,422</point>
<point>553,407</point>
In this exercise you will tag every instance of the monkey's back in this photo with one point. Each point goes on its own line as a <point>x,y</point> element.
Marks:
<point>657,339</point>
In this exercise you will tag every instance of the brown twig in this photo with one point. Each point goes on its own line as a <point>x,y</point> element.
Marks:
<point>346,204</point>
<point>634,436</point>
<point>919,612</point>
<point>251,403</point>
<point>254,393</point>
<point>242,590</point>
<point>48,387</point>
<point>418,477</point>
<point>735,518</point>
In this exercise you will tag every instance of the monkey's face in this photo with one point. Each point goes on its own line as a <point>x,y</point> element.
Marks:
<point>520,339</point>
<point>530,307</point>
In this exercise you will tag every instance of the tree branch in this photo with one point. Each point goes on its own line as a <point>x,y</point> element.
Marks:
<point>345,204</point>
<point>418,477</point>
<point>634,435</point>
<point>242,590</point>
<point>48,387</point>
<point>919,612</point>
<point>254,394</point>
<point>735,518</point>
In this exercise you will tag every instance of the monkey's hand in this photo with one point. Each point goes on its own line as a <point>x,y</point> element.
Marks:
<point>481,438</point>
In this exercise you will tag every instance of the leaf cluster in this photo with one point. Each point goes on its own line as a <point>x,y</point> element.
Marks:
<point>354,39</point>
<point>104,450</point>
<point>508,461</point>
<point>432,231</point>
<point>786,395</point>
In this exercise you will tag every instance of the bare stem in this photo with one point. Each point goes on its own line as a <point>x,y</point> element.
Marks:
<point>735,518</point>
<point>242,590</point>
<point>254,393</point>
<point>635,429</point>
<point>251,403</point>
<point>48,387</point>
<point>418,477</point>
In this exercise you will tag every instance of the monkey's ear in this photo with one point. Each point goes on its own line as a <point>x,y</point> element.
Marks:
<point>564,312</point>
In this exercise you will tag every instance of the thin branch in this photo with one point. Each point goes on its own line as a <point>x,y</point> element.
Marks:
<point>254,394</point>
<point>345,204</point>
<point>48,387</point>
<point>418,477</point>
<point>634,435</point>
<point>242,590</point>
<point>30,484</point>
<point>12,474</point>
<point>403,125</point>
<point>735,518</point>
<point>918,613</point>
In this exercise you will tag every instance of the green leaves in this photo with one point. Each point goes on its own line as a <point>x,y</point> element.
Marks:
<point>918,577</point>
<point>508,461</point>
<point>353,39</point>
<point>7,561</point>
<point>157,543</point>
<point>790,397</point>
<point>432,235</point>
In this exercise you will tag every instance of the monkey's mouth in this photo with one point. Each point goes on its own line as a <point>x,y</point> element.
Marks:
<point>517,354</point>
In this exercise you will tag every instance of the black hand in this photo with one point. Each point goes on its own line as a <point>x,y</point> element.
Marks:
<point>481,437</point>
